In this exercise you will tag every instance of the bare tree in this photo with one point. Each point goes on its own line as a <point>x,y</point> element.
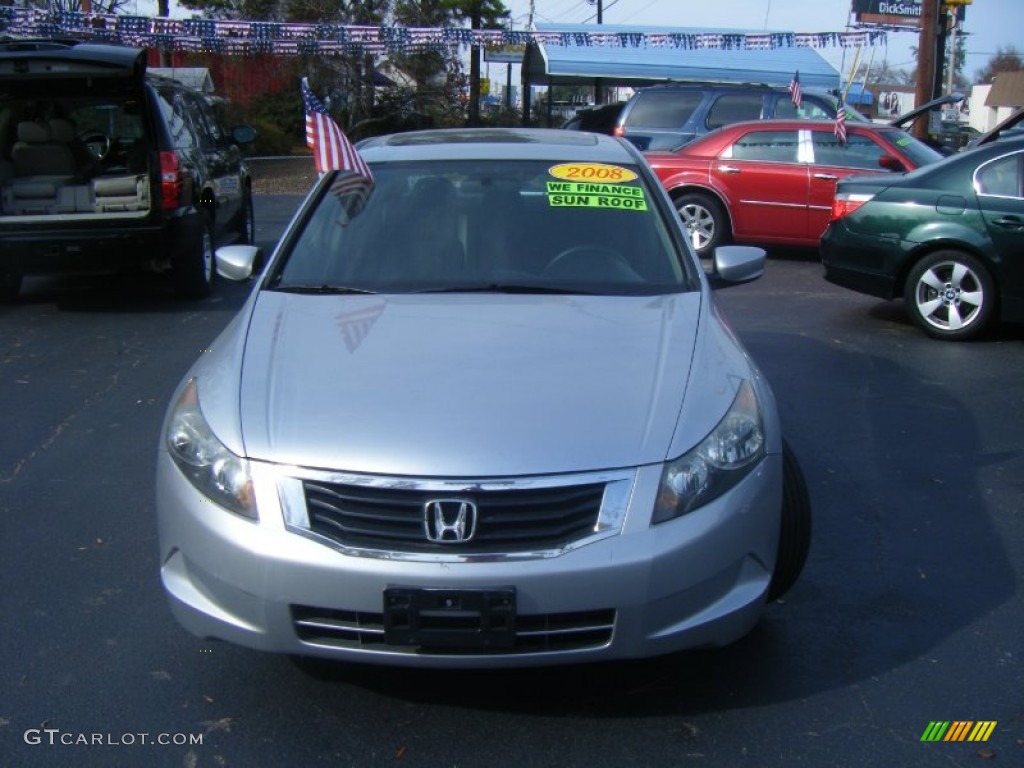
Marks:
<point>426,67</point>
<point>482,14</point>
<point>1005,60</point>
<point>82,6</point>
<point>880,74</point>
<point>349,77</point>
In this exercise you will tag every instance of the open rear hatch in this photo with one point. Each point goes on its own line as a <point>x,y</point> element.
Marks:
<point>73,139</point>
<point>64,58</point>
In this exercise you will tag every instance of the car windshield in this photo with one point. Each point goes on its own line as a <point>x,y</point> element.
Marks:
<point>501,226</point>
<point>919,152</point>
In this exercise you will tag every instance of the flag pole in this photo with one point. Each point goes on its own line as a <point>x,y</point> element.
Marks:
<point>853,73</point>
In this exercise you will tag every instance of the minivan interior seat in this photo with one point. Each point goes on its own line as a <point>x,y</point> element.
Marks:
<point>44,170</point>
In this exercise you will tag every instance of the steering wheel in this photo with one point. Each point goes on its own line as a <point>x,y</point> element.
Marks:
<point>591,262</point>
<point>97,142</point>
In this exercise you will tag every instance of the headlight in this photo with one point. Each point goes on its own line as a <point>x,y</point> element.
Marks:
<point>721,460</point>
<point>213,469</point>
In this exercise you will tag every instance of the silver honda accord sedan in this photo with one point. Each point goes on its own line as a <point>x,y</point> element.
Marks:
<point>480,412</point>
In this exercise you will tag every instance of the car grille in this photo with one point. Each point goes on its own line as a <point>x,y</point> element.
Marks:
<point>507,520</point>
<point>540,633</point>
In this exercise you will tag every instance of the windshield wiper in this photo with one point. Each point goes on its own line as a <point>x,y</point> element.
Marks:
<point>322,290</point>
<point>506,288</point>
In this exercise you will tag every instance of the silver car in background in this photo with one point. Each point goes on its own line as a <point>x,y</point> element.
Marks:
<point>482,414</point>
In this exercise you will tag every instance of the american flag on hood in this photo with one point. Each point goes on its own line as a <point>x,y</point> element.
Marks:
<point>332,150</point>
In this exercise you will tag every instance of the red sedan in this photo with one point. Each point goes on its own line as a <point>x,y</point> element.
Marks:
<point>772,181</point>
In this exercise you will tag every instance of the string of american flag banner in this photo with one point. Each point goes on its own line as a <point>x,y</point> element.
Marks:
<point>247,37</point>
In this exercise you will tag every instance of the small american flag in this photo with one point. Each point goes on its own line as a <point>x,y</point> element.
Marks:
<point>840,129</point>
<point>794,89</point>
<point>332,150</point>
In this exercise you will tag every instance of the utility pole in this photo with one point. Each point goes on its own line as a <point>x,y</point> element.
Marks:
<point>927,46</point>
<point>957,12</point>
<point>163,9</point>
<point>940,51</point>
<point>954,23</point>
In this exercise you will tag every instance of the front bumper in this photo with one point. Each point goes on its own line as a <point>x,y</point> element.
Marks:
<point>696,581</point>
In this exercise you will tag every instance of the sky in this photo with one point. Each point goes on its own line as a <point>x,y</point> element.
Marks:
<point>991,24</point>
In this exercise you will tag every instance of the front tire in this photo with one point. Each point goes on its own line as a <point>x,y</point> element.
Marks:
<point>705,221</point>
<point>193,268</point>
<point>950,295</point>
<point>246,220</point>
<point>794,528</point>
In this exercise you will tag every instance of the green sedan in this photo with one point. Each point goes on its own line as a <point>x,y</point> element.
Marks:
<point>947,238</point>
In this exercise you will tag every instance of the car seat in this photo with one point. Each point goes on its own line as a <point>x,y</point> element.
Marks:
<point>38,153</point>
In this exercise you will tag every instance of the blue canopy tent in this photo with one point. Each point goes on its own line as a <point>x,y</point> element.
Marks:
<point>548,65</point>
<point>857,95</point>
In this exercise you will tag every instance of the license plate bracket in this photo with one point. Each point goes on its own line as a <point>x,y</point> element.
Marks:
<point>450,618</point>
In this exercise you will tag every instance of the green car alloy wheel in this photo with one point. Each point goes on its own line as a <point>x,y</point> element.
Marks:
<point>950,295</point>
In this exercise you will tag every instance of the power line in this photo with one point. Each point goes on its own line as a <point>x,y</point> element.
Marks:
<point>604,8</point>
<point>637,13</point>
<point>559,15</point>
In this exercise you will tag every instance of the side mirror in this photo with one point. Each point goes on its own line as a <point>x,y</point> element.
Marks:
<point>243,134</point>
<point>236,262</point>
<point>739,263</point>
<point>891,163</point>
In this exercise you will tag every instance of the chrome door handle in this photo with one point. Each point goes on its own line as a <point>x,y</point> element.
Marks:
<point>728,169</point>
<point>826,176</point>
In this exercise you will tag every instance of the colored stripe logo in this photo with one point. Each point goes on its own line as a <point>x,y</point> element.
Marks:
<point>958,730</point>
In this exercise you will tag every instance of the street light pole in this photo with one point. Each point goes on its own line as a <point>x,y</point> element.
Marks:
<point>598,90</point>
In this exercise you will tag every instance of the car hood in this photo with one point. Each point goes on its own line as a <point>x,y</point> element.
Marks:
<point>465,385</point>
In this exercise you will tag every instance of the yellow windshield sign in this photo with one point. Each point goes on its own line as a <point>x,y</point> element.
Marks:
<point>609,174</point>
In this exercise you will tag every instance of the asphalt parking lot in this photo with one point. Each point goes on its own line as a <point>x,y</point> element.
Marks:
<point>909,610</point>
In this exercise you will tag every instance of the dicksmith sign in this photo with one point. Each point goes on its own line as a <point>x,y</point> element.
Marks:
<point>887,11</point>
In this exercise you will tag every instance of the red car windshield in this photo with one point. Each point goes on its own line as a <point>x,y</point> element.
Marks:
<point>919,152</point>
